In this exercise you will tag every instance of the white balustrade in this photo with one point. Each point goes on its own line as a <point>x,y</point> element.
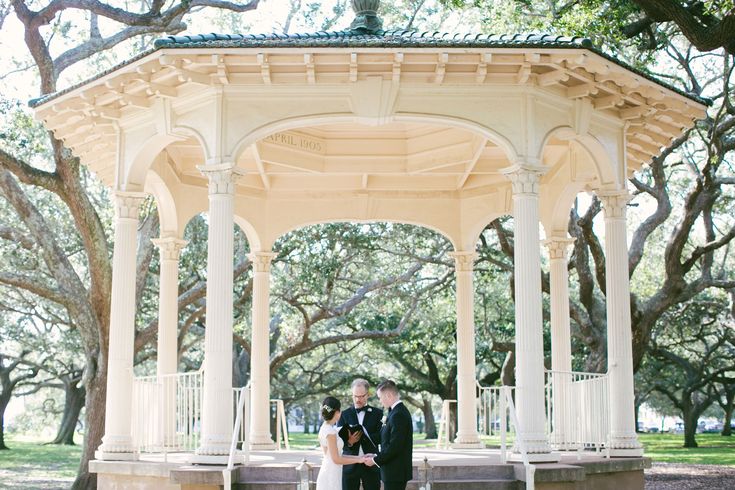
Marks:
<point>245,425</point>
<point>167,412</point>
<point>489,409</point>
<point>586,414</point>
<point>586,417</point>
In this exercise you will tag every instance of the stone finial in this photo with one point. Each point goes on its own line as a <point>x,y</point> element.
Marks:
<point>366,16</point>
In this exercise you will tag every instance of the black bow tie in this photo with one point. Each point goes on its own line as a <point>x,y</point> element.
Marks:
<point>361,409</point>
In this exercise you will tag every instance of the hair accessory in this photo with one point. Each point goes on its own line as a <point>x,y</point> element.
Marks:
<point>327,408</point>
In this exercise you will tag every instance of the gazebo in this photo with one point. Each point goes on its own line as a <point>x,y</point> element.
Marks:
<point>275,132</point>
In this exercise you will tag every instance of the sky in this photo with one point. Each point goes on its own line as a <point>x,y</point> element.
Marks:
<point>268,17</point>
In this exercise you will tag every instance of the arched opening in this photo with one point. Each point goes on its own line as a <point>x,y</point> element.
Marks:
<point>362,300</point>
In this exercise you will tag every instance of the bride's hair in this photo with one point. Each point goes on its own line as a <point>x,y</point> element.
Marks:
<point>329,406</point>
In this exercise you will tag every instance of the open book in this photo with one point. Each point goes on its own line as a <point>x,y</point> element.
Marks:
<point>348,429</point>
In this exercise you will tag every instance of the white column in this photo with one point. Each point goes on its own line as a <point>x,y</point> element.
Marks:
<point>169,249</point>
<point>467,436</point>
<point>623,439</point>
<point>217,407</point>
<point>260,380</point>
<point>117,443</point>
<point>528,312</point>
<point>561,342</point>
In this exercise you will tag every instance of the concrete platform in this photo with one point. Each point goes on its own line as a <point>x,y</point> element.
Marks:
<point>465,469</point>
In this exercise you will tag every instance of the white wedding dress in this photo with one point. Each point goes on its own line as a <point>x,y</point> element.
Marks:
<point>330,474</point>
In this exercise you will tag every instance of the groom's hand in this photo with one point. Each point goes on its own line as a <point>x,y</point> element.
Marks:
<point>354,438</point>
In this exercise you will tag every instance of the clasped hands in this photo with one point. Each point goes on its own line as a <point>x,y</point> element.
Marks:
<point>368,460</point>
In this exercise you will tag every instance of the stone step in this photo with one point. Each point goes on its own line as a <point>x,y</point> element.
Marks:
<point>412,485</point>
<point>468,485</point>
<point>471,472</point>
<point>273,473</point>
<point>465,472</point>
<point>466,477</point>
<point>268,485</point>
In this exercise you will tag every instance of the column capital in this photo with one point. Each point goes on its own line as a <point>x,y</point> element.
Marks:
<point>524,177</point>
<point>169,247</point>
<point>261,261</point>
<point>463,261</point>
<point>127,204</point>
<point>558,246</point>
<point>614,203</point>
<point>221,177</point>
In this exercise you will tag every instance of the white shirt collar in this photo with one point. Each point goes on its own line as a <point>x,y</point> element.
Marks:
<point>394,405</point>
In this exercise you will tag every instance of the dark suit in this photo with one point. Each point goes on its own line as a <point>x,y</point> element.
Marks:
<point>396,449</point>
<point>353,474</point>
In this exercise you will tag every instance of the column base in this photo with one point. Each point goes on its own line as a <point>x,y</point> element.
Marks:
<point>103,455</point>
<point>467,445</point>
<point>215,459</point>
<point>263,446</point>
<point>626,453</point>
<point>552,457</point>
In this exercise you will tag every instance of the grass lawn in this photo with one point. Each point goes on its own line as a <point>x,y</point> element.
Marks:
<point>30,464</point>
<point>668,448</point>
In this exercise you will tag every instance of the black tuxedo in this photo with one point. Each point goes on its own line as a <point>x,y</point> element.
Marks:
<point>353,474</point>
<point>396,449</point>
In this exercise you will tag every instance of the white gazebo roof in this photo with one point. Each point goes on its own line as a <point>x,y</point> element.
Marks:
<point>366,114</point>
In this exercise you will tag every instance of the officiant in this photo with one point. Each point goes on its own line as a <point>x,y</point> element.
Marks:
<point>360,430</point>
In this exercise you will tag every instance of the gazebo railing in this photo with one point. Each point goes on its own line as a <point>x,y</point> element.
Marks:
<point>167,412</point>
<point>490,413</point>
<point>281,436</point>
<point>577,410</point>
<point>444,437</point>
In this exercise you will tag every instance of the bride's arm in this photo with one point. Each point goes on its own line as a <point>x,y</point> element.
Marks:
<point>338,458</point>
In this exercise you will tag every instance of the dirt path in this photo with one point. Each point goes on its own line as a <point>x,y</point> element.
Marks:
<point>670,476</point>
<point>22,480</point>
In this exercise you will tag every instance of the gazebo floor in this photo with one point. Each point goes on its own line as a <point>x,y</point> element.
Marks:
<point>467,469</point>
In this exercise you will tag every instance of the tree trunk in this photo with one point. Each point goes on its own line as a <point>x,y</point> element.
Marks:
<point>508,372</point>
<point>452,422</point>
<point>73,403</point>
<point>94,429</point>
<point>691,418</point>
<point>4,400</point>
<point>2,431</point>
<point>727,421</point>
<point>307,420</point>
<point>429,423</point>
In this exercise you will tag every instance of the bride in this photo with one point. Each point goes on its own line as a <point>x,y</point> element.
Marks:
<point>330,474</point>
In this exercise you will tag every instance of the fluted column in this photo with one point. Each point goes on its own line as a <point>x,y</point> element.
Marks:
<point>168,313</point>
<point>561,342</point>
<point>467,436</point>
<point>623,439</point>
<point>528,311</point>
<point>260,381</point>
<point>117,443</point>
<point>217,407</point>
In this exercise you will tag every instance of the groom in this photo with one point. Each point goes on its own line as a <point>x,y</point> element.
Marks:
<point>357,442</point>
<point>396,446</point>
